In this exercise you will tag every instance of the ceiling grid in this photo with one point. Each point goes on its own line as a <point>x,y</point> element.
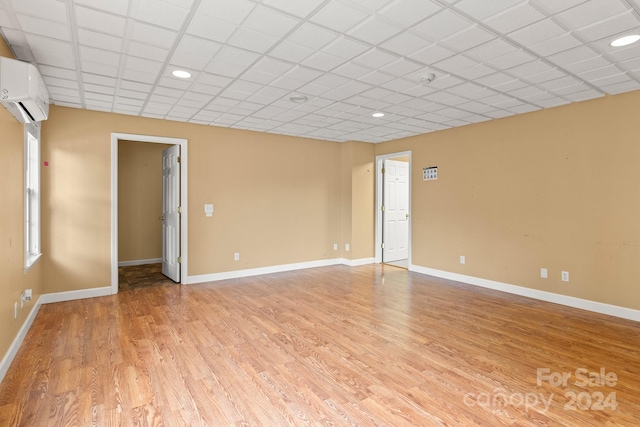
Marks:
<point>320,68</point>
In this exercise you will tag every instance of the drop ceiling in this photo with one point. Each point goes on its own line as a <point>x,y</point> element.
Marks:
<point>349,58</point>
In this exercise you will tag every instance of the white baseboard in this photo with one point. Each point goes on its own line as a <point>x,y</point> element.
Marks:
<point>236,274</point>
<point>139,262</point>
<point>597,307</point>
<point>17,341</point>
<point>358,262</point>
<point>74,295</point>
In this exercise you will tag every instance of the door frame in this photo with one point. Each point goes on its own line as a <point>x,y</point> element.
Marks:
<point>184,217</point>
<point>379,200</point>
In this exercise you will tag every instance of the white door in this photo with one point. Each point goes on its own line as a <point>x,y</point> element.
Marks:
<point>395,233</point>
<point>171,213</point>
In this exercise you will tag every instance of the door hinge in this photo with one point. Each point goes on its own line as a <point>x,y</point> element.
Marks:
<point>179,260</point>
<point>382,208</point>
<point>179,159</point>
<point>382,246</point>
<point>383,170</point>
<point>179,209</point>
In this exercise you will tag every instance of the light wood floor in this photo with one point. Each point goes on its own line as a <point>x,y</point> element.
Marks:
<point>368,346</point>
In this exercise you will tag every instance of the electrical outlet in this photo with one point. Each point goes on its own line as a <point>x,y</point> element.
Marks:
<point>346,247</point>
<point>543,273</point>
<point>236,256</point>
<point>335,246</point>
<point>565,276</point>
<point>463,259</point>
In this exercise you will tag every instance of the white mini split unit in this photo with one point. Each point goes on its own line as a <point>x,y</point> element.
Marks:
<point>22,91</point>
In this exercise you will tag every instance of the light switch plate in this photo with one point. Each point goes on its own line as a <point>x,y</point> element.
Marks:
<point>208,210</point>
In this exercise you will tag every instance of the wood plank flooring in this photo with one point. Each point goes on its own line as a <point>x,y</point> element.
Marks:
<point>141,276</point>
<point>335,346</point>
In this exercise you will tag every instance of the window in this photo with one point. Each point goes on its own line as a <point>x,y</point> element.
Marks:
<point>31,194</point>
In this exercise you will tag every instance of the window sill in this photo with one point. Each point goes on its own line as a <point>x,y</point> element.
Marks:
<point>31,261</point>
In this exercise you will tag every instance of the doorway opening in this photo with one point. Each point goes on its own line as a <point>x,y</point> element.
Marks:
<point>174,223</point>
<point>393,209</point>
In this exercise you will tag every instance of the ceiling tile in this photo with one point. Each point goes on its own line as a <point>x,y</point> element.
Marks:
<point>139,76</point>
<point>101,80</point>
<point>246,38</point>
<point>44,27</point>
<point>484,9</point>
<point>267,21</point>
<point>376,78</point>
<point>323,61</point>
<point>312,36</point>
<point>408,12</point>
<point>475,72</point>
<point>153,36</point>
<point>431,54</point>
<point>46,9</point>
<point>555,45</point>
<point>119,7</point>
<point>55,81</point>
<point>339,16</point>
<point>610,27</point>
<point>373,30</point>
<point>211,28</point>
<point>146,51</point>
<point>590,12</point>
<point>455,63</point>
<point>100,69</point>
<point>401,67</point>
<point>188,60</point>
<point>375,58</point>
<point>225,68</point>
<point>99,56</point>
<point>297,7</point>
<point>490,50</point>
<point>571,56</point>
<point>537,32</point>
<point>99,40</point>
<point>468,38</point>
<point>510,60</point>
<point>404,43</point>
<point>145,65</point>
<point>350,70</point>
<point>159,12</point>
<point>442,25</point>
<point>346,48</point>
<point>291,52</point>
<point>554,6</point>
<point>99,21</point>
<point>514,18</point>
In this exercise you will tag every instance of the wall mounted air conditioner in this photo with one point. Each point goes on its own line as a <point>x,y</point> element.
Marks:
<point>22,91</point>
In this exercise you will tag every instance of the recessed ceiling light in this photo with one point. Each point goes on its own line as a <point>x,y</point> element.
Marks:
<point>377,115</point>
<point>298,99</point>
<point>624,41</point>
<point>181,74</point>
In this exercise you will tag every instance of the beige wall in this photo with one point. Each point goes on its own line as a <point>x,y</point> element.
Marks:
<point>363,201</point>
<point>13,279</point>
<point>558,189</point>
<point>277,199</point>
<point>139,200</point>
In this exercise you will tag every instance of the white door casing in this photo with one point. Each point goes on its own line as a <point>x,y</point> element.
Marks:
<point>171,213</point>
<point>395,233</point>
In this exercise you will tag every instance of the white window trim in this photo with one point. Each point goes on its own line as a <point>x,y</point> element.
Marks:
<point>32,249</point>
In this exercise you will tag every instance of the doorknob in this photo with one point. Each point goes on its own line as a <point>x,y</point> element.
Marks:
<point>161,218</point>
